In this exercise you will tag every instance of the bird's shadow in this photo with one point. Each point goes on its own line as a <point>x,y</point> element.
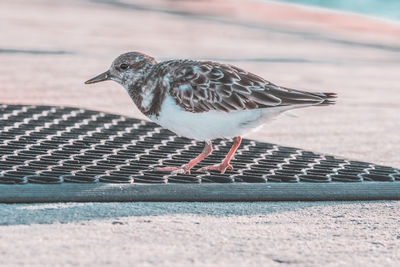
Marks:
<point>48,213</point>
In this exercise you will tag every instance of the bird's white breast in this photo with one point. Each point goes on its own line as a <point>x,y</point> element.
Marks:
<point>209,125</point>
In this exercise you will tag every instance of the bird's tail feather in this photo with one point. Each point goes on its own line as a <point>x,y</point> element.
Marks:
<point>329,98</point>
<point>300,98</point>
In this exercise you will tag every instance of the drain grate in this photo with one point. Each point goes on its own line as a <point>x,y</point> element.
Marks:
<point>53,145</point>
<point>79,149</point>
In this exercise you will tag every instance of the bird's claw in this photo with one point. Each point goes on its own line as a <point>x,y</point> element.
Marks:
<point>181,171</point>
<point>217,167</point>
<point>174,170</point>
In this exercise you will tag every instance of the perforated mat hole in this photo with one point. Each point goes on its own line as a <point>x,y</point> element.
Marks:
<point>87,156</point>
<point>308,154</point>
<point>93,170</point>
<point>6,165</point>
<point>30,153</point>
<point>384,168</point>
<point>97,168</point>
<point>353,168</point>
<point>379,172</point>
<point>288,172</point>
<point>66,169</point>
<point>345,178</point>
<point>263,168</point>
<point>271,161</point>
<point>21,158</point>
<point>348,172</point>
<point>134,166</point>
<point>359,164</point>
<point>148,178</point>
<point>319,171</point>
<point>85,173</point>
<point>252,179</point>
<point>117,158</point>
<point>183,178</point>
<point>44,179</point>
<point>217,178</point>
<point>18,174</point>
<point>114,178</point>
<point>6,150</point>
<point>237,165</point>
<point>173,162</point>
<point>254,173</point>
<point>31,169</point>
<point>158,153</point>
<point>282,178</point>
<point>301,162</point>
<point>6,179</point>
<point>376,177</point>
<point>52,173</point>
<point>313,178</point>
<point>280,153</point>
<point>56,156</point>
<point>79,179</point>
<point>325,166</point>
<point>294,166</point>
<point>71,163</point>
<point>43,162</point>
<point>109,163</point>
<point>241,158</point>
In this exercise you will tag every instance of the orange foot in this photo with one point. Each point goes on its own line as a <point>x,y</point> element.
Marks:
<point>184,169</point>
<point>217,167</point>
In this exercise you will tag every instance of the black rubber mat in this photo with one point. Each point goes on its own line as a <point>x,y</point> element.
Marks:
<point>62,145</point>
<point>41,144</point>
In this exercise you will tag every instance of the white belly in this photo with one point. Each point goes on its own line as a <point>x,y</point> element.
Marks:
<point>212,124</point>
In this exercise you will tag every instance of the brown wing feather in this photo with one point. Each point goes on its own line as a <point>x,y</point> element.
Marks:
<point>204,86</point>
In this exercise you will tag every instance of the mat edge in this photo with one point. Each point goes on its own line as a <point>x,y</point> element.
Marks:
<point>37,193</point>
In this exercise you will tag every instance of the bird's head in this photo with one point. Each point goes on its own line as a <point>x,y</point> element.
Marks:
<point>126,69</point>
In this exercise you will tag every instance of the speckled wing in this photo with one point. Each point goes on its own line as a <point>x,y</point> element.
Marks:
<point>201,86</point>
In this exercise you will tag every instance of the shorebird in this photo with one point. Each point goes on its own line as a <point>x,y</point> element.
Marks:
<point>204,100</point>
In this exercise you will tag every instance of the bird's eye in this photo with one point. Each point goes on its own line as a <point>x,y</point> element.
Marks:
<point>123,66</point>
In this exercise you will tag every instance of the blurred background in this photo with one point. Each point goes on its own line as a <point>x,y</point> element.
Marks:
<point>49,48</point>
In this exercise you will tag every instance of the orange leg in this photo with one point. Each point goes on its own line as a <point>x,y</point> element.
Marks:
<point>185,169</point>
<point>225,163</point>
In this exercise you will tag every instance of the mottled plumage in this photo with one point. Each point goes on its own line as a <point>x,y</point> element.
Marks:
<point>201,86</point>
<point>203,99</point>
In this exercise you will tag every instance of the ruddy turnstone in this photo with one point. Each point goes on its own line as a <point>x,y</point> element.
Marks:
<point>204,100</point>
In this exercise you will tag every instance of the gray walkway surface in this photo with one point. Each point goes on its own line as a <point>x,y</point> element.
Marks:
<point>201,234</point>
<point>49,48</point>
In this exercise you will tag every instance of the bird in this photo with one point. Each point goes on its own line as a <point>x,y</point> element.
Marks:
<point>204,100</point>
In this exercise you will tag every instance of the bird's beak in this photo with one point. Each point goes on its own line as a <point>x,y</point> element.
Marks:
<point>100,78</point>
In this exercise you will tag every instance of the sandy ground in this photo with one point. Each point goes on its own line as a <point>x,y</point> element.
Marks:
<point>201,234</point>
<point>49,48</point>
